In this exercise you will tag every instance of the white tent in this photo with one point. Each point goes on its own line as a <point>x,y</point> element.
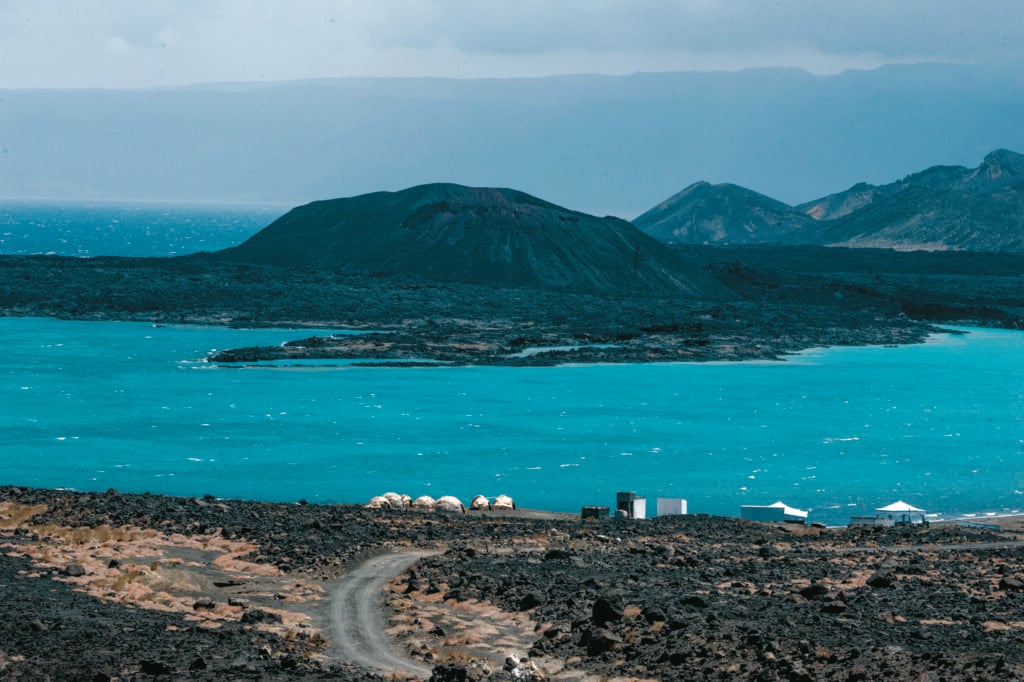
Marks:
<point>901,512</point>
<point>900,506</point>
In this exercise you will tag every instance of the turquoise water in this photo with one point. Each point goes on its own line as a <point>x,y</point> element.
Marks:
<point>95,405</point>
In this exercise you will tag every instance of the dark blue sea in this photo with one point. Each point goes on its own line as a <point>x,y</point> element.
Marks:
<point>132,406</point>
<point>127,229</point>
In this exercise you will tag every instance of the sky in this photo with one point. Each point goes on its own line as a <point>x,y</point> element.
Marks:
<point>152,43</point>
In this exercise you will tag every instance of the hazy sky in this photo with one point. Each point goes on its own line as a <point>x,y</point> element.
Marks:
<point>138,43</point>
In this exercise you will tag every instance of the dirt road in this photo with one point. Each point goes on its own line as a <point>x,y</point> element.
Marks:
<point>357,617</point>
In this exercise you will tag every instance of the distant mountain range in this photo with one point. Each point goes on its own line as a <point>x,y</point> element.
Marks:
<point>601,144</point>
<point>473,235</point>
<point>941,208</point>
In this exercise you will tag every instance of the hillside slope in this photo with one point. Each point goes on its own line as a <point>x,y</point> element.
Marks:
<point>941,208</point>
<point>454,233</point>
<point>722,214</point>
<point>938,209</point>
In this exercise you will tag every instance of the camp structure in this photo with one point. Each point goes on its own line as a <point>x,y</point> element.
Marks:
<point>773,513</point>
<point>629,506</point>
<point>901,513</point>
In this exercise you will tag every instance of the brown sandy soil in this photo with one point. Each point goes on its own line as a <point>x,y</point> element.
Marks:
<point>202,577</point>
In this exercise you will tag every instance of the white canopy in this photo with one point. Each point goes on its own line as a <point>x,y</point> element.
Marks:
<point>789,511</point>
<point>900,507</point>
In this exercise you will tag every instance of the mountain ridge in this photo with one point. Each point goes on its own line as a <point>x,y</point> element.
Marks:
<point>942,207</point>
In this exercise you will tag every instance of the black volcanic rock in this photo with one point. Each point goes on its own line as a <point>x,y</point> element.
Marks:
<point>479,235</point>
<point>722,214</point>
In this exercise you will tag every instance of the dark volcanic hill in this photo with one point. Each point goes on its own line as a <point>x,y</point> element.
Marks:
<point>941,208</point>
<point>722,214</point>
<point>465,234</point>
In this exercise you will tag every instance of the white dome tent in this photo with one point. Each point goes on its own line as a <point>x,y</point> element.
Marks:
<point>902,513</point>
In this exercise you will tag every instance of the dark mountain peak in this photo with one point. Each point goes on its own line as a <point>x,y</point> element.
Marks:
<point>935,177</point>
<point>483,235</point>
<point>467,196</point>
<point>841,204</point>
<point>720,214</point>
<point>999,168</point>
<point>724,192</point>
<point>697,188</point>
<point>1003,161</point>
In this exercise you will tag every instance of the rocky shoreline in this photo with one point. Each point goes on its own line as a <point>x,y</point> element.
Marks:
<point>123,586</point>
<point>450,343</point>
<point>776,301</point>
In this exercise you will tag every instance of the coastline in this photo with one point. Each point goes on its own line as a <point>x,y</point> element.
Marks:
<point>200,588</point>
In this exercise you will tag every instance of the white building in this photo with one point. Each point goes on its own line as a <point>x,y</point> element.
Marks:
<point>772,513</point>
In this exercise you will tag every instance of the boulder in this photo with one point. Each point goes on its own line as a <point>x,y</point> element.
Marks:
<point>480,503</point>
<point>155,668</point>
<point>815,590</point>
<point>607,608</point>
<point>204,604</point>
<point>602,640</point>
<point>522,670</point>
<point>378,502</point>
<point>450,503</point>
<point>1011,584</point>
<point>449,672</point>
<point>259,616</point>
<point>424,502</point>
<point>503,503</point>
<point>882,579</point>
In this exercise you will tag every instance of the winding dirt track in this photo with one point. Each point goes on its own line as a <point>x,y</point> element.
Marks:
<point>357,617</point>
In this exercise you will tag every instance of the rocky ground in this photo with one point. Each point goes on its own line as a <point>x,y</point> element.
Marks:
<point>418,321</point>
<point>775,301</point>
<point>117,586</point>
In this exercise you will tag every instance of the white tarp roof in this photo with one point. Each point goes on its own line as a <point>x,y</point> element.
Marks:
<point>789,511</point>
<point>900,506</point>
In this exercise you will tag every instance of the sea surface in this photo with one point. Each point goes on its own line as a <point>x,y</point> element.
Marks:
<point>133,406</point>
<point>127,229</point>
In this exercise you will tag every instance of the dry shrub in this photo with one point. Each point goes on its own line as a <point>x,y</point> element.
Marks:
<point>458,655</point>
<point>105,534</point>
<point>125,579</point>
<point>50,531</point>
<point>13,515</point>
<point>81,535</point>
<point>318,640</point>
<point>460,639</point>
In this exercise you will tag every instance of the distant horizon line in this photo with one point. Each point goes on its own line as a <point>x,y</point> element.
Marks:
<point>290,204</point>
<point>326,80</point>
